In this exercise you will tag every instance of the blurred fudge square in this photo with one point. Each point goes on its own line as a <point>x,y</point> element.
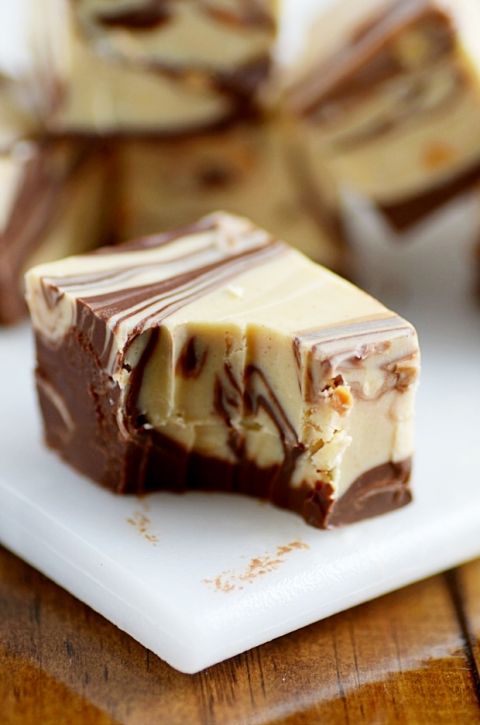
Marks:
<point>393,101</point>
<point>255,168</point>
<point>143,65</point>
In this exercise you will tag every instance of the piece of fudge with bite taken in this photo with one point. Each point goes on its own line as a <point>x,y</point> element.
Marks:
<point>216,357</point>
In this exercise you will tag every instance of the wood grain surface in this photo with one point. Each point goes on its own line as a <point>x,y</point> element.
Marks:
<point>410,657</point>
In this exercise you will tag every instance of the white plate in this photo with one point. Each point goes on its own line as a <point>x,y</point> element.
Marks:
<point>201,577</point>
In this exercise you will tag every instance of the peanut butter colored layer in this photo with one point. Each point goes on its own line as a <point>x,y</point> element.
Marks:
<point>218,357</point>
<point>393,95</point>
<point>158,66</point>
<point>252,168</point>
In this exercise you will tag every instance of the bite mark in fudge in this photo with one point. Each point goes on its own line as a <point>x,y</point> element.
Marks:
<point>393,105</point>
<point>218,358</point>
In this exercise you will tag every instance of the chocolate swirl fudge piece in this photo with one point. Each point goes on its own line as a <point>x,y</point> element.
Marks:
<point>158,66</point>
<point>253,168</point>
<point>393,101</point>
<point>53,202</point>
<point>216,357</point>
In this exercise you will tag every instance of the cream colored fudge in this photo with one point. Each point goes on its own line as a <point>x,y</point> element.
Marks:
<point>14,118</point>
<point>255,169</point>
<point>217,357</point>
<point>53,202</point>
<point>147,65</point>
<point>392,98</point>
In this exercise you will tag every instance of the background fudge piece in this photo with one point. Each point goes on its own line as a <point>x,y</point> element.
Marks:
<point>15,120</point>
<point>54,201</point>
<point>141,65</point>
<point>217,357</point>
<point>256,168</point>
<point>393,101</point>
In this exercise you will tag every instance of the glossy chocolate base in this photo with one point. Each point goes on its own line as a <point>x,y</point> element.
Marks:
<point>79,403</point>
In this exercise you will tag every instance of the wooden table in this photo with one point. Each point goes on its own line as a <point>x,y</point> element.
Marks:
<point>409,657</point>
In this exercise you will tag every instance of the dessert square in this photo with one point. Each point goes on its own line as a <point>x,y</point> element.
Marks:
<point>147,65</point>
<point>393,99</point>
<point>218,358</point>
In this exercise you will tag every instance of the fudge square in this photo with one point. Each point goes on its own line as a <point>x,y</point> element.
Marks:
<point>146,65</point>
<point>392,98</point>
<point>216,357</point>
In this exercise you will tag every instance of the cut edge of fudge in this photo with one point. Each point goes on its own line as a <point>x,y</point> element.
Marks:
<point>192,360</point>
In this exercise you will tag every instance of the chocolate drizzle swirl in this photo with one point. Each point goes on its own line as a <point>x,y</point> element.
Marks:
<point>251,13</point>
<point>370,60</point>
<point>148,16</point>
<point>152,14</point>
<point>158,300</point>
<point>191,362</point>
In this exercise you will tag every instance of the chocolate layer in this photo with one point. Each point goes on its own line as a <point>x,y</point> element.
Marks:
<point>148,16</point>
<point>404,214</point>
<point>239,87</point>
<point>81,424</point>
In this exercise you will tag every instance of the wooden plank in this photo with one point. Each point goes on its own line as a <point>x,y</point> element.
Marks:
<point>399,659</point>
<point>464,586</point>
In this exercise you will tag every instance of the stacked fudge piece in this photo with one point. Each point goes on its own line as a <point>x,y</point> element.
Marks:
<point>145,115</point>
<point>392,98</point>
<point>157,66</point>
<point>54,198</point>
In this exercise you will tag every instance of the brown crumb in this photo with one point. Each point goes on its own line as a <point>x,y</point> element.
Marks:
<point>229,581</point>
<point>142,523</point>
<point>292,546</point>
